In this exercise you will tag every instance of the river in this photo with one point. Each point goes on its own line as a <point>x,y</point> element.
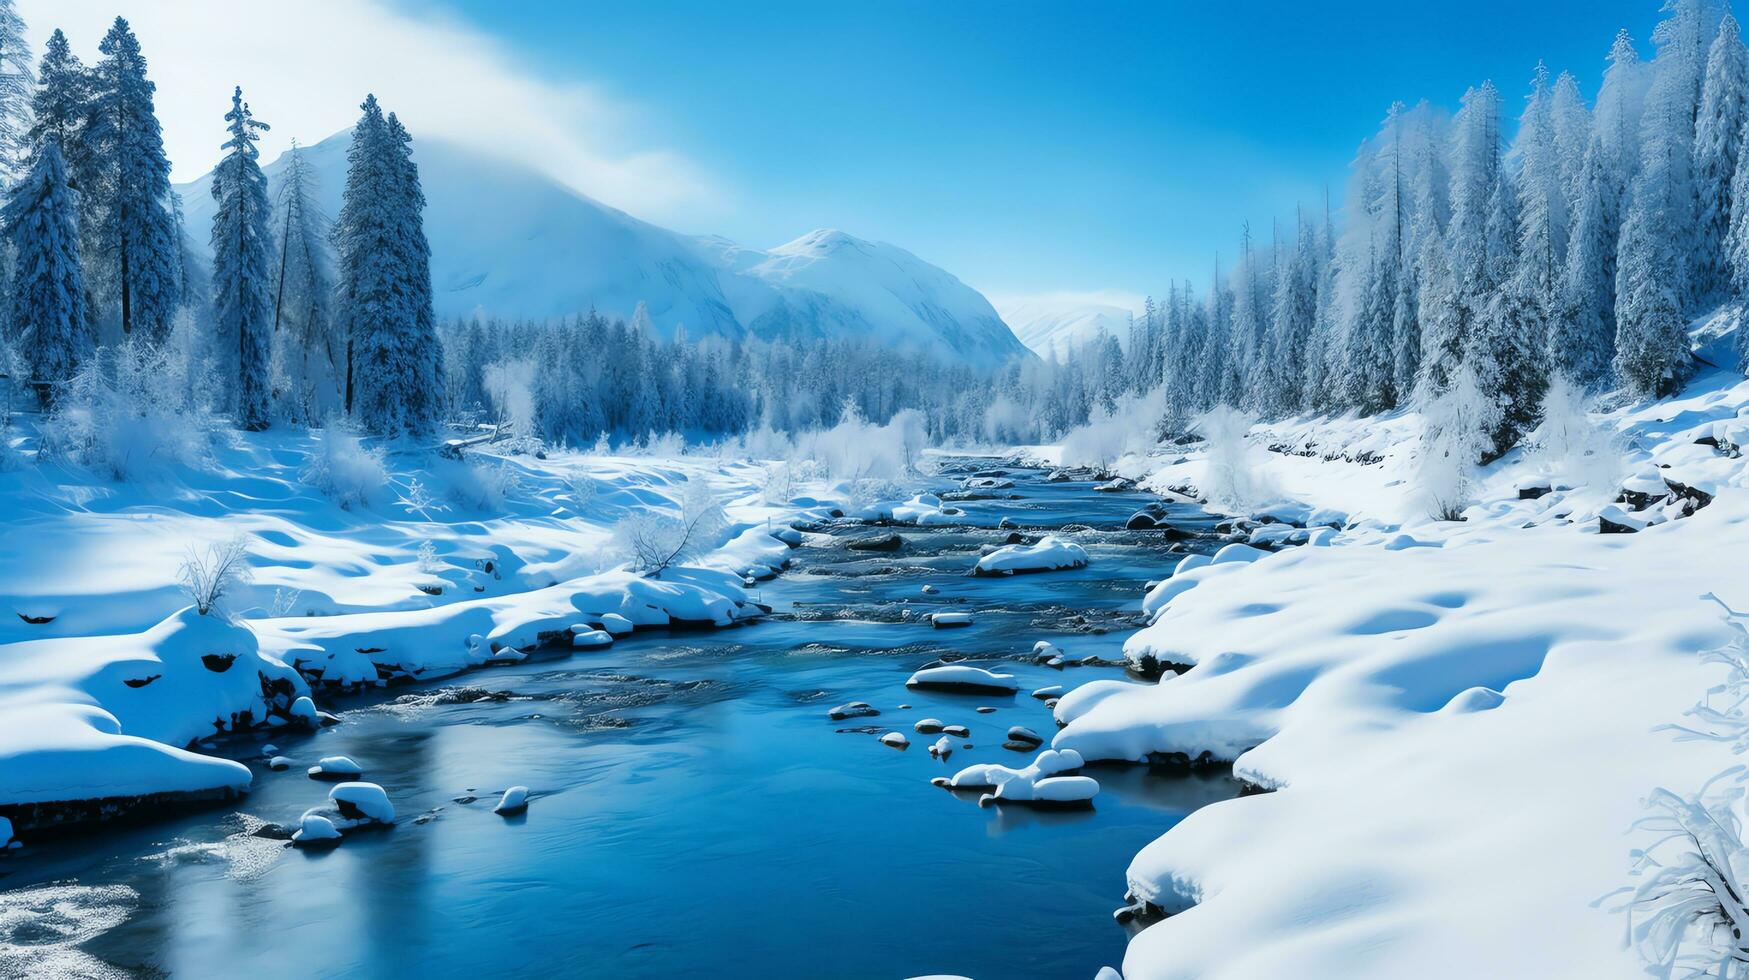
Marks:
<point>695,812</point>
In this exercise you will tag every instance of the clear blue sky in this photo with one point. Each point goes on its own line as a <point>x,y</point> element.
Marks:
<point>1037,146</point>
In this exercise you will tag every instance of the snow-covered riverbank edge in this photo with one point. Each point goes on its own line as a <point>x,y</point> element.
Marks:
<point>1458,719</point>
<point>111,685</point>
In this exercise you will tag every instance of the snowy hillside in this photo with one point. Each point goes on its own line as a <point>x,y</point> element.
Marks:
<point>1064,321</point>
<point>509,241</point>
<point>1452,727</point>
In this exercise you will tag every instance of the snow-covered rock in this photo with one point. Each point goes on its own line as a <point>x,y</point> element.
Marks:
<point>586,637</point>
<point>950,620</point>
<point>1048,554</point>
<point>361,804</point>
<point>315,830</point>
<point>337,767</point>
<point>1050,791</point>
<point>962,678</point>
<point>895,739</point>
<point>514,801</point>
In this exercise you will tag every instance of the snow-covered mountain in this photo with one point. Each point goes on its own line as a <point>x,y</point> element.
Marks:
<point>1065,321</point>
<point>510,241</point>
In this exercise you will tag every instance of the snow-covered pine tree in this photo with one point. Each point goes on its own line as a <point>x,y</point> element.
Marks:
<point>58,106</point>
<point>1582,334</point>
<point>17,83</point>
<point>424,398</point>
<point>1479,238</point>
<point>1572,127</point>
<point>1542,198</point>
<point>364,293</point>
<point>135,237</point>
<point>384,292</point>
<point>303,285</point>
<point>242,260</point>
<point>1652,281</point>
<point>1718,141</point>
<point>1292,318</point>
<point>41,218</point>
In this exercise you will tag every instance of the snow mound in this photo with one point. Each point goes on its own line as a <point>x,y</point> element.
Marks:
<point>962,678</point>
<point>1048,554</point>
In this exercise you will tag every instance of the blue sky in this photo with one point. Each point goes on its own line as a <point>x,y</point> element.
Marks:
<point>1038,146</point>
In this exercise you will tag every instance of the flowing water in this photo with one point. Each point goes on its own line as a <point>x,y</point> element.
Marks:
<point>695,812</point>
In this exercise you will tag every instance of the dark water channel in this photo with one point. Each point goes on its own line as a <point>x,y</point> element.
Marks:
<point>696,814</point>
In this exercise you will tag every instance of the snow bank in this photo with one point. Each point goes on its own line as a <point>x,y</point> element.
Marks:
<point>1458,733</point>
<point>106,687</point>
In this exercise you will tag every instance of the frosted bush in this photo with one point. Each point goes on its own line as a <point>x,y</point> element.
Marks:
<point>766,443</point>
<point>208,577</point>
<point>1233,479</point>
<point>582,489</point>
<point>345,469</point>
<point>129,409</point>
<point>1570,444</point>
<point>667,445</point>
<point>1008,421</point>
<point>428,560</point>
<point>652,541</point>
<point>1130,427</point>
<point>857,449</point>
<point>481,486</point>
<point>1455,432</point>
<point>779,483</point>
<point>1689,912</point>
<point>510,386</point>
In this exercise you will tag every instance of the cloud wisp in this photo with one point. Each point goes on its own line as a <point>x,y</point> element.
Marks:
<point>306,66</point>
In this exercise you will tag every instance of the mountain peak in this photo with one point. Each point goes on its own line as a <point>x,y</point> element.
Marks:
<point>510,241</point>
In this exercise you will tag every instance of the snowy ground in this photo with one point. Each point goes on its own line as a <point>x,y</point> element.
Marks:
<point>109,682</point>
<point>1458,720</point>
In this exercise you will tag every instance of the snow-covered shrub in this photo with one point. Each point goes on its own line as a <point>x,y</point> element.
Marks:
<point>1008,421</point>
<point>1130,427</point>
<point>428,562</point>
<point>857,449</point>
<point>418,499</point>
<point>207,577</point>
<point>130,408</point>
<point>666,445</point>
<point>766,443</point>
<point>1455,431</point>
<point>582,488</point>
<point>510,386</point>
<point>652,541</point>
<point>869,492</point>
<point>481,486</point>
<point>1233,480</point>
<point>1688,914</point>
<point>779,483</point>
<point>602,446</point>
<point>345,469</point>
<point>1569,443</point>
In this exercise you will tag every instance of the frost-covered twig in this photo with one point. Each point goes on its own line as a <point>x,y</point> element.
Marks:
<point>208,578</point>
<point>1688,915</point>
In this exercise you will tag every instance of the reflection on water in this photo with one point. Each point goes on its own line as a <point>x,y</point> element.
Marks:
<point>694,812</point>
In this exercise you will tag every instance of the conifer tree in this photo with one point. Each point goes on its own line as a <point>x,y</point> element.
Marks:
<point>129,194</point>
<point>41,218</point>
<point>17,82</point>
<point>1718,141</point>
<point>305,347</point>
<point>385,303</point>
<point>241,262</point>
